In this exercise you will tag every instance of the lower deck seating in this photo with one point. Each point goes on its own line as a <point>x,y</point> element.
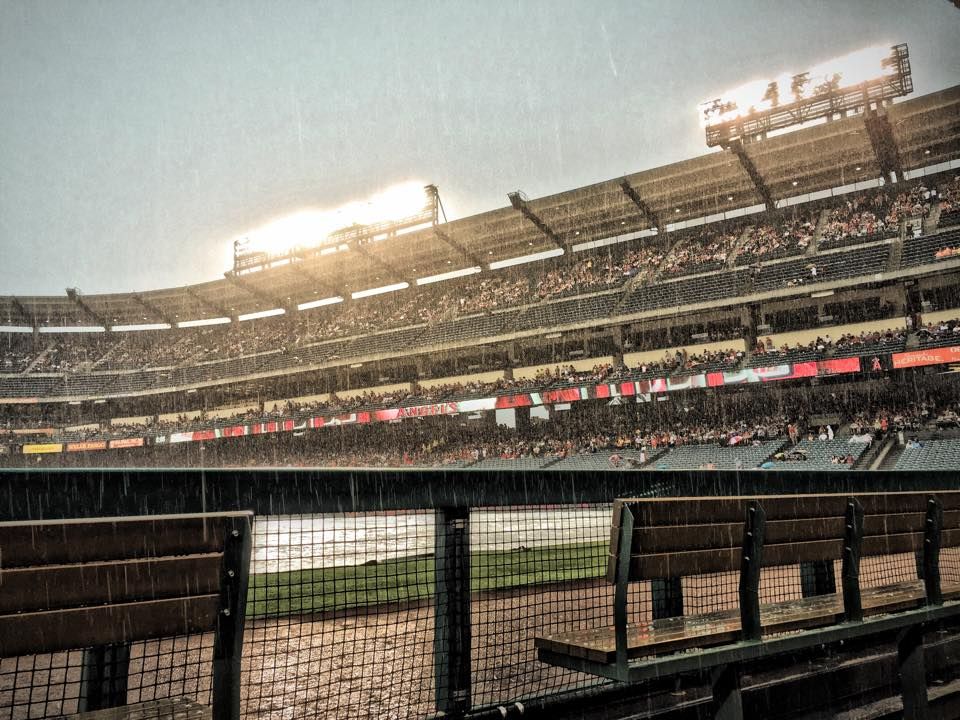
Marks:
<point>692,457</point>
<point>820,454</point>
<point>622,460</point>
<point>931,455</point>
<point>522,463</point>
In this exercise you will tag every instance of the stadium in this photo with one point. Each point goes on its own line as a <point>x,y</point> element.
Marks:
<point>769,330</point>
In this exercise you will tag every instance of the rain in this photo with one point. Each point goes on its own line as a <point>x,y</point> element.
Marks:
<point>421,360</point>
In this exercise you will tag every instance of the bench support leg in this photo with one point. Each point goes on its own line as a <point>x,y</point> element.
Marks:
<point>913,675</point>
<point>727,702</point>
<point>103,680</point>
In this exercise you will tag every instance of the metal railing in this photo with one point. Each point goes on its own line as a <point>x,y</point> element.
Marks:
<point>403,593</point>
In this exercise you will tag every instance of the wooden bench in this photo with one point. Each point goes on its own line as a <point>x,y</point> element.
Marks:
<point>665,540</point>
<point>100,584</point>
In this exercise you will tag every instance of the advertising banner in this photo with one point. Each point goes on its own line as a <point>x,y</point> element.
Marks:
<point>514,401</point>
<point>839,366</point>
<point>933,356</point>
<point>642,389</point>
<point>42,448</point>
<point>83,446</point>
<point>129,442</point>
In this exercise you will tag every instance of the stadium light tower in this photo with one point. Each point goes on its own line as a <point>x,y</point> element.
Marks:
<point>856,83</point>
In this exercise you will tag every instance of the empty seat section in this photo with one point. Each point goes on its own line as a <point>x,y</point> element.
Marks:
<point>923,250</point>
<point>687,457</point>
<point>567,312</point>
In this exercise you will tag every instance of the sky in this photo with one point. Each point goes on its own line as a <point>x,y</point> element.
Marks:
<point>138,138</point>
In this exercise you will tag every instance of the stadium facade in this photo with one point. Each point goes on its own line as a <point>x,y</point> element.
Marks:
<point>793,261</point>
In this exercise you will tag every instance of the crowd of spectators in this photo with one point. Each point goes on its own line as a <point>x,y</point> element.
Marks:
<point>950,196</point>
<point>908,417</point>
<point>860,216</point>
<point>872,340</point>
<point>915,202</point>
<point>787,238</point>
<point>700,252</point>
<point>17,351</point>
<point>866,411</point>
<point>935,333</point>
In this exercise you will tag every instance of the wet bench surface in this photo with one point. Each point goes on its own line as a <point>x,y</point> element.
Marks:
<point>664,540</point>
<point>99,584</point>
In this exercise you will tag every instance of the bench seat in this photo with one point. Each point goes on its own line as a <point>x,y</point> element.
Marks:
<point>165,708</point>
<point>708,629</point>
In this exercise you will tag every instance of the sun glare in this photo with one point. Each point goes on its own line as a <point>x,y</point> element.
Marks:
<point>311,227</point>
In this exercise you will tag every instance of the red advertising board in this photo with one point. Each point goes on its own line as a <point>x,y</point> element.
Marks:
<point>126,443</point>
<point>83,446</point>
<point>839,366</point>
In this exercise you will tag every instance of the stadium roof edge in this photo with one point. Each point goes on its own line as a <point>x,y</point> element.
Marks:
<point>712,184</point>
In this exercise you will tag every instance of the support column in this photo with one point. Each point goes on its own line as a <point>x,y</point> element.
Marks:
<point>452,631</point>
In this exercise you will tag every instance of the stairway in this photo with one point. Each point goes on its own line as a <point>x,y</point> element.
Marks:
<point>113,350</point>
<point>39,358</point>
<point>896,249</point>
<point>741,241</point>
<point>932,220</point>
<point>814,245</point>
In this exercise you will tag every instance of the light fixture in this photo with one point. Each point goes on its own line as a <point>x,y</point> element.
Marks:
<point>794,183</point>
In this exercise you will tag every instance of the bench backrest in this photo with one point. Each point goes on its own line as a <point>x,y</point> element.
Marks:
<point>677,537</point>
<point>70,584</point>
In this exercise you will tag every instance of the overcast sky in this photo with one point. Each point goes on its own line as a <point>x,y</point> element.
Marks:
<point>137,138</point>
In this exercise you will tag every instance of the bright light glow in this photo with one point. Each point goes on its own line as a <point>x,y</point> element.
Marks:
<point>523,259</point>
<point>311,227</point>
<point>453,274</point>
<point>261,314</point>
<point>379,290</point>
<point>74,329</point>
<point>148,326</point>
<point>846,71</point>
<point>319,303</point>
<point>204,322</point>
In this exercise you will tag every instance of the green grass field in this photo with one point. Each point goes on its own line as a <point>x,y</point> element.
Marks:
<point>308,591</point>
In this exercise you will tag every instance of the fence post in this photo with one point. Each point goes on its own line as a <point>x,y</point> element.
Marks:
<point>451,624</point>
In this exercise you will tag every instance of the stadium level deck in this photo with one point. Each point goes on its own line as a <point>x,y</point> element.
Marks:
<point>406,337</point>
<point>679,192</point>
